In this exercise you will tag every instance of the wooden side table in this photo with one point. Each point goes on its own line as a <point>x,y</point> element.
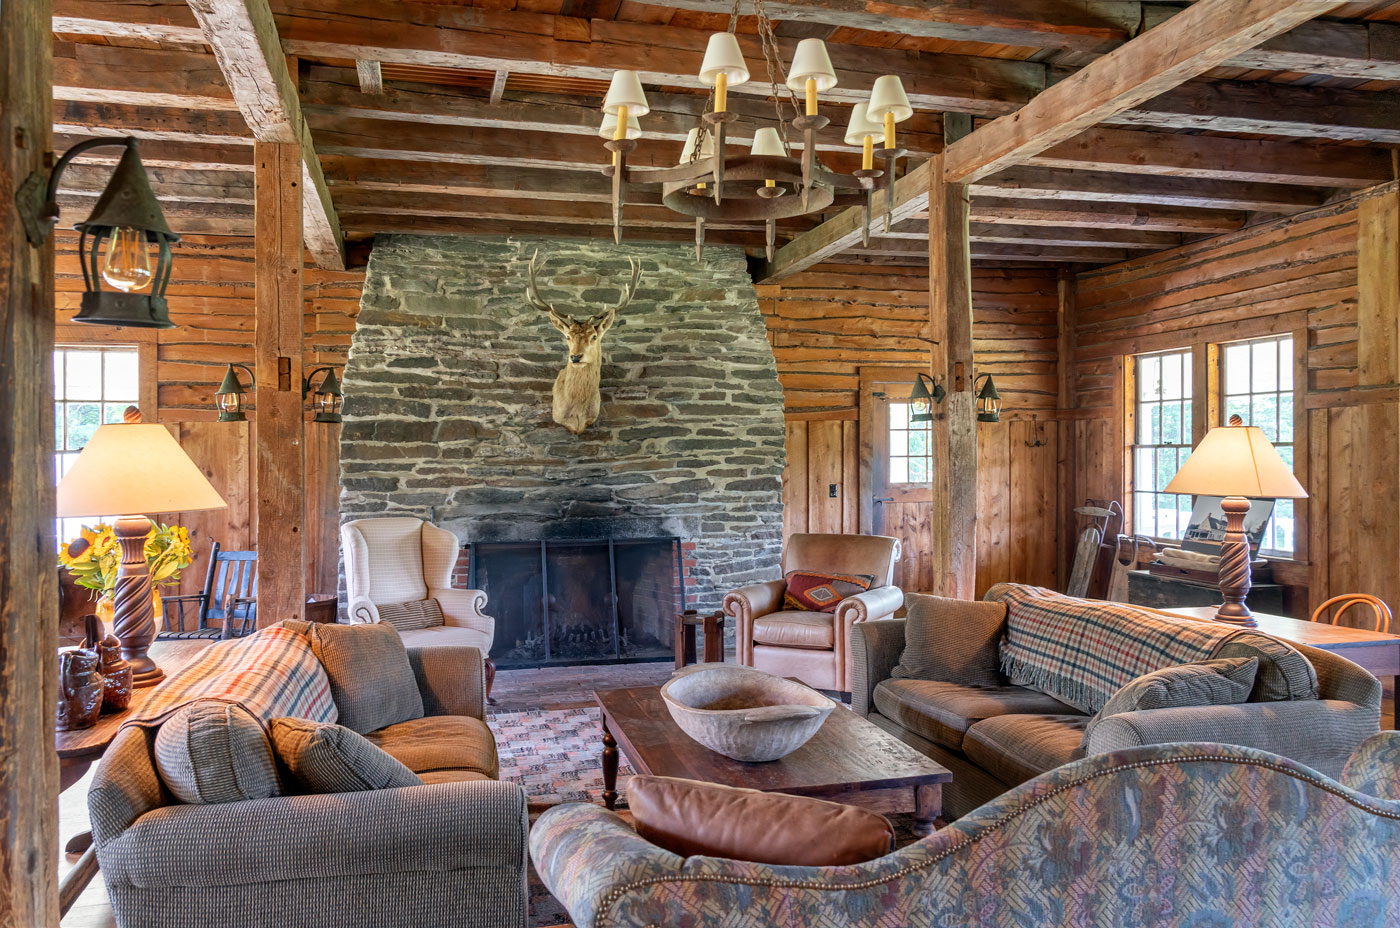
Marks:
<point>690,623</point>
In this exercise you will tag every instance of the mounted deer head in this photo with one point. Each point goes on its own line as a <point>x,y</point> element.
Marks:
<point>576,398</point>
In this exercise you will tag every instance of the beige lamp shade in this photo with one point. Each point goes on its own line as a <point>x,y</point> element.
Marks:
<point>811,61</point>
<point>707,150</point>
<point>626,90</point>
<point>722,56</point>
<point>766,142</point>
<point>132,469</point>
<point>1236,460</point>
<point>887,96</point>
<point>609,127</point>
<point>860,126</point>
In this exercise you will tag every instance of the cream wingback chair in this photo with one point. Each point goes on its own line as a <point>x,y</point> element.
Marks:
<point>397,560</point>
<point>815,647</point>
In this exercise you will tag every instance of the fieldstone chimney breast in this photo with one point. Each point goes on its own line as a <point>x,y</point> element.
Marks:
<point>447,409</point>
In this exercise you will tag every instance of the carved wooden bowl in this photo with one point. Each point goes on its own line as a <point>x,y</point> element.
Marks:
<point>744,713</point>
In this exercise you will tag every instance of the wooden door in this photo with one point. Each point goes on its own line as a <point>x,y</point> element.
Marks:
<point>896,493</point>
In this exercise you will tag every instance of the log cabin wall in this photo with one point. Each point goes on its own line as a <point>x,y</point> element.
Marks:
<point>211,304</point>
<point>826,323</point>
<point>1329,278</point>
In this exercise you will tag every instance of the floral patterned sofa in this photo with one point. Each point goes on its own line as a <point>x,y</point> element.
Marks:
<point>1200,835</point>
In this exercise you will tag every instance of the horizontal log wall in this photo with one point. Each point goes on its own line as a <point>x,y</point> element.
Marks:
<point>1298,275</point>
<point>211,303</point>
<point>827,323</point>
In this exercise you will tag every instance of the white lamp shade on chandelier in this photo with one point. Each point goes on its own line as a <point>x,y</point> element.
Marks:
<point>625,90</point>
<point>722,56</point>
<point>133,469</point>
<point>1236,460</point>
<point>767,142</point>
<point>811,61</point>
<point>608,129</point>
<point>861,126</point>
<point>887,96</point>
<point>707,150</point>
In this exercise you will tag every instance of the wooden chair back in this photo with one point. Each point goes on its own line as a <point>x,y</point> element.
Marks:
<point>234,593</point>
<point>1347,601</point>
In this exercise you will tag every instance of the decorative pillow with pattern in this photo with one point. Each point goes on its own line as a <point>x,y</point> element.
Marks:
<point>421,613</point>
<point>810,591</point>
<point>333,759</point>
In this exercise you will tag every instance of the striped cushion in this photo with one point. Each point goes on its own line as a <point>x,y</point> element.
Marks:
<point>215,751</point>
<point>370,676</point>
<point>421,613</point>
<point>334,759</point>
<point>1223,682</point>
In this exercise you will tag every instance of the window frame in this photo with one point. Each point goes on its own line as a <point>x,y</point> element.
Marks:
<point>1221,414</point>
<point>1188,401</point>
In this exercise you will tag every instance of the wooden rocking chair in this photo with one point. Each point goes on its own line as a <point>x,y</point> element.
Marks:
<point>227,607</point>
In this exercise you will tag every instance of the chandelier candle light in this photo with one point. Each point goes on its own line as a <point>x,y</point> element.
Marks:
<point>710,184</point>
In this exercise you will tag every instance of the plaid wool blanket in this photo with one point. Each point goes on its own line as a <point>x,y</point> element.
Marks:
<point>271,673</point>
<point>1081,652</point>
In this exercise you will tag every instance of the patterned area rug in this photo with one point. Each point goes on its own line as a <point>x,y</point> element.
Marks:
<point>556,754</point>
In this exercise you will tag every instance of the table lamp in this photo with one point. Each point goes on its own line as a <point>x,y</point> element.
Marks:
<point>1236,461</point>
<point>128,469</point>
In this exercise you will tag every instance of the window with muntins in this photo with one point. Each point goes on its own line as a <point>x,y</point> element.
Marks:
<point>1161,441</point>
<point>910,452</point>
<point>1256,384</point>
<point>92,386</point>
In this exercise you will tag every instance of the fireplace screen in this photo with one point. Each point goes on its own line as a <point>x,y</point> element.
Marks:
<point>580,602</point>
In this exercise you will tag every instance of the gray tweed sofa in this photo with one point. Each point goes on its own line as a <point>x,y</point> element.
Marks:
<point>994,737</point>
<point>451,852</point>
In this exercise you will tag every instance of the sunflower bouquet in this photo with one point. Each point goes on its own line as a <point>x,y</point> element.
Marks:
<point>94,556</point>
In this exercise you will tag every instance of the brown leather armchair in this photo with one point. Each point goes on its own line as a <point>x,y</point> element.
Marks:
<point>815,647</point>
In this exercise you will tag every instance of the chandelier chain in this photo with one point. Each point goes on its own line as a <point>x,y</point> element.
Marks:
<point>777,77</point>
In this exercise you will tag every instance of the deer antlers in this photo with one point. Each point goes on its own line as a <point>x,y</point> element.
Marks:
<point>532,293</point>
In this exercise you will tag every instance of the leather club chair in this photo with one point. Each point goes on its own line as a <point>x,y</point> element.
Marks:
<point>815,647</point>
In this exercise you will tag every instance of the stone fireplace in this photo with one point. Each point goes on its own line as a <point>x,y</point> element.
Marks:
<point>447,417</point>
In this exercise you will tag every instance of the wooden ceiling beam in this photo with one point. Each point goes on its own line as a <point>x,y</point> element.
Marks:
<point>139,77</point>
<point>1058,213</point>
<point>1007,234</point>
<point>1020,252</point>
<point>363,223</point>
<point>1188,45</point>
<point>213,127</point>
<point>453,36</point>
<point>1048,183</point>
<point>244,39</point>
<point>193,156</point>
<point>184,218</point>
<point>173,184</point>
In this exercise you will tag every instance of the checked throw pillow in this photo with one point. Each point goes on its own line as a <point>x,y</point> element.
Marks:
<point>809,591</point>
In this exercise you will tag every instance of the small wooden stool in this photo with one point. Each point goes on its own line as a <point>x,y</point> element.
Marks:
<point>690,622</point>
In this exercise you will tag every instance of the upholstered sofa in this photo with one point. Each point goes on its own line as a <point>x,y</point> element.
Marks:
<point>1159,835</point>
<point>994,737</point>
<point>814,647</point>
<point>451,852</point>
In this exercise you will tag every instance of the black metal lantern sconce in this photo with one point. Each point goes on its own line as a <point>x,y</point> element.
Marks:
<point>923,397</point>
<point>327,398</point>
<point>988,400</point>
<point>116,240</point>
<point>231,397</point>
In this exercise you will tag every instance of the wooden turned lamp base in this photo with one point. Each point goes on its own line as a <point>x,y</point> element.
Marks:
<point>1235,579</point>
<point>133,613</point>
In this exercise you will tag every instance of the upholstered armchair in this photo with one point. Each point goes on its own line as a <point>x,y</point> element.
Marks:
<point>815,647</point>
<point>396,560</point>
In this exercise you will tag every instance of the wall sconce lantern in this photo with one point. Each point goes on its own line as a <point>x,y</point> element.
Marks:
<point>988,401</point>
<point>116,241</point>
<point>230,396</point>
<point>327,398</point>
<point>923,397</point>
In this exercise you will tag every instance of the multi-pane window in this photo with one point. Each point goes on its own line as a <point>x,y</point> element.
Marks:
<point>910,452</point>
<point>1162,441</point>
<point>1256,380</point>
<point>92,386</point>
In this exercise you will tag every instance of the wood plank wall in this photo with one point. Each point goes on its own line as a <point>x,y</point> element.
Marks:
<point>1297,275</point>
<point>211,304</point>
<point>828,322</point>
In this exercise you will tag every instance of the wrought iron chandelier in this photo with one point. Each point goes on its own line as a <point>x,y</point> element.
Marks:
<point>769,183</point>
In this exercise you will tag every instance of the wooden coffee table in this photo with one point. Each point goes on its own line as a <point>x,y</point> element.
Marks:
<point>848,760</point>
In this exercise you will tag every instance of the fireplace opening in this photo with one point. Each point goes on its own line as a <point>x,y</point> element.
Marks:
<point>572,601</point>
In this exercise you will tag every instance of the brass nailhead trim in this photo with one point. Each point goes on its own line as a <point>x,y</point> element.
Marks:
<point>615,895</point>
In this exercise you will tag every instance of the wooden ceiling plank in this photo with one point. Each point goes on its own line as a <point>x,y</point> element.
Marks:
<point>1007,234</point>
<point>143,77</point>
<point>1189,44</point>
<point>1056,214</point>
<point>244,39</point>
<point>1047,183</point>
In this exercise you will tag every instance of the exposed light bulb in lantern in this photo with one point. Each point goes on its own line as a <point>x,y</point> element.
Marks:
<point>127,263</point>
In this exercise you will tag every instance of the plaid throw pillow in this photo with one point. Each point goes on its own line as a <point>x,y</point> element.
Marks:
<point>809,591</point>
<point>421,613</point>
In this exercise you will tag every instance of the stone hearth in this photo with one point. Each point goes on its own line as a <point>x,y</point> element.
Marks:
<point>447,412</point>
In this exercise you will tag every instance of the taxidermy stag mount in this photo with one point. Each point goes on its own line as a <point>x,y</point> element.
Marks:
<point>576,399</point>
